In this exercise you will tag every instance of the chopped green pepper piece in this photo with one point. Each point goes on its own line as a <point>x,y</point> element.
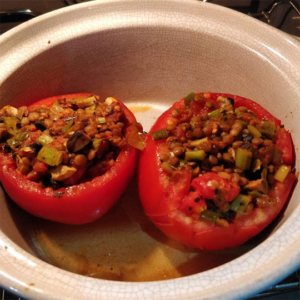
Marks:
<point>215,114</point>
<point>244,124</point>
<point>267,128</point>
<point>160,134</point>
<point>69,125</point>
<point>55,104</point>
<point>282,172</point>
<point>12,142</point>
<point>237,112</point>
<point>254,131</point>
<point>255,194</point>
<point>240,203</point>
<point>77,141</point>
<point>90,109</point>
<point>209,215</point>
<point>55,108</point>
<point>167,167</point>
<point>17,140</point>
<point>50,156</point>
<point>194,155</point>
<point>243,159</point>
<point>11,124</point>
<point>175,113</point>
<point>45,139</point>
<point>197,143</point>
<point>188,99</point>
<point>20,115</point>
<point>21,136</point>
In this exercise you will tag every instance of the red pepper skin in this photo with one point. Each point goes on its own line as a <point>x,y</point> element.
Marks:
<point>78,204</point>
<point>162,199</point>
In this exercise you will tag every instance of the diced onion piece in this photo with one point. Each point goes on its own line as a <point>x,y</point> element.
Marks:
<point>260,185</point>
<point>45,139</point>
<point>10,110</point>
<point>256,165</point>
<point>134,138</point>
<point>62,172</point>
<point>224,101</point>
<point>110,100</point>
<point>101,120</point>
<point>188,99</point>
<point>83,102</point>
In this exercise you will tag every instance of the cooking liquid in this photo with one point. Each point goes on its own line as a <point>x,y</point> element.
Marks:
<point>123,245</point>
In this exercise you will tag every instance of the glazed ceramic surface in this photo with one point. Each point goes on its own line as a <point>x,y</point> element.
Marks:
<point>149,54</point>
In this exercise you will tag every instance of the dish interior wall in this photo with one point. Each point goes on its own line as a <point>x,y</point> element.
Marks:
<point>143,66</point>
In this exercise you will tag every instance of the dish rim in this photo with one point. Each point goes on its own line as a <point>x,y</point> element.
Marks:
<point>21,259</point>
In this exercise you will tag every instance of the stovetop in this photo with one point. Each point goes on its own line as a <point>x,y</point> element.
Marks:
<point>284,15</point>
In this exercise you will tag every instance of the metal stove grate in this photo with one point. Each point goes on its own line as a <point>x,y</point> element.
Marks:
<point>7,296</point>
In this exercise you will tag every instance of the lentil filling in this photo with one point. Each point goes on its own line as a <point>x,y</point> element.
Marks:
<point>68,143</point>
<point>232,154</point>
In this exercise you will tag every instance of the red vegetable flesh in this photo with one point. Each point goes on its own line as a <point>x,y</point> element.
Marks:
<point>208,181</point>
<point>79,199</point>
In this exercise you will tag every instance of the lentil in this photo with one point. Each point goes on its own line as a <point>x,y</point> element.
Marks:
<point>178,150</point>
<point>257,141</point>
<point>213,160</point>
<point>217,169</point>
<point>80,160</point>
<point>198,132</point>
<point>33,116</point>
<point>243,109</point>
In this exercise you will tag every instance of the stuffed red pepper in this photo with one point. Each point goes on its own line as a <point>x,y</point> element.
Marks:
<point>68,158</point>
<point>216,170</point>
